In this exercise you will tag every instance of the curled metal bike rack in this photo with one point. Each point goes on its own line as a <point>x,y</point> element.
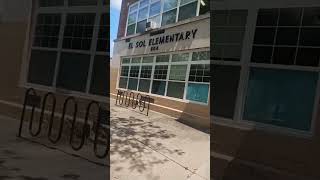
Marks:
<point>139,100</point>
<point>33,100</point>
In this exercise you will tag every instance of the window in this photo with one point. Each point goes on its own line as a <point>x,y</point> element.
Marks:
<point>160,72</point>
<point>99,79</point>
<point>162,58</point>
<point>228,31</point>
<point>146,72</point>
<point>47,30</point>
<point>134,71</point>
<point>73,71</point>
<point>155,8</point>
<point>178,72</point>
<point>187,10</point>
<point>48,3</point>
<point>283,36</point>
<point>41,68</point>
<point>198,92</point>
<point>184,75</point>
<point>275,97</point>
<point>199,73</point>
<point>162,12</point>
<point>169,17</point>
<point>82,2</point>
<point>204,6</point>
<point>70,47</point>
<point>104,33</point>
<point>226,53</point>
<point>282,75</point>
<point>78,31</point>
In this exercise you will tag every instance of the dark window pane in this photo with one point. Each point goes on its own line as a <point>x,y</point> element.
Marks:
<point>217,52</point>
<point>225,89</point>
<point>134,71</point>
<point>238,17</point>
<point>144,85</point>
<point>228,35</point>
<point>131,29</point>
<point>73,71</point>
<point>102,45</point>
<point>220,18</point>
<point>308,57</point>
<point>146,72</point>
<point>82,2</point>
<point>264,36</point>
<point>42,67</point>
<point>232,53</point>
<point>123,82</point>
<point>284,55</point>
<point>261,54</point>
<point>310,37</point>
<point>47,30</point>
<point>188,11</point>
<point>199,73</point>
<point>80,30</point>
<point>133,84</point>
<point>47,3</point>
<point>281,97</point>
<point>204,7</point>
<point>124,71</point>
<point>141,26</point>
<point>160,72</point>
<point>100,76</point>
<point>175,89</point>
<point>311,16</point>
<point>290,17</point>
<point>287,36</point>
<point>158,87</point>
<point>267,17</point>
<point>169,17</point>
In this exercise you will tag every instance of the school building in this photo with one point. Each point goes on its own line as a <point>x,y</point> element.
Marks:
<point>163,50</point>
<point>59,46</point>
<point>265,104</point>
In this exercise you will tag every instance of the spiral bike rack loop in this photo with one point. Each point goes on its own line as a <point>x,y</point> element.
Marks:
<point>83,135</point>
<point>44,103</point>
<point>96,138</point>
<point>26,101</point>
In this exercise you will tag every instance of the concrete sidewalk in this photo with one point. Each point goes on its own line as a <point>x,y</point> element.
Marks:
<point>156,147</point>
<point>21,159</point>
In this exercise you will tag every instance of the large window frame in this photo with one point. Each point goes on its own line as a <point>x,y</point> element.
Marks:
<point>160,14</point>
<point>246,65</point>
<point>100,10</point>
<point>167,79</point>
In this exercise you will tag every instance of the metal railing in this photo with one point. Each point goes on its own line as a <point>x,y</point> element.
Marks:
<point>32,100</point>
<point>126,98</point>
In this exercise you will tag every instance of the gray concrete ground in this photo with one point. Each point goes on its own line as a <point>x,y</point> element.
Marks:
<point>156,148</point>
<point>142,148</point>
<point>21,159</point>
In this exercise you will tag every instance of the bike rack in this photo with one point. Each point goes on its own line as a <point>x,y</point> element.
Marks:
<point>143,101</point>
<point>31,99</point>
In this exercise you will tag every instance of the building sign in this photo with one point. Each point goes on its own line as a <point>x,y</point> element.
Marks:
<point>154,43</point>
